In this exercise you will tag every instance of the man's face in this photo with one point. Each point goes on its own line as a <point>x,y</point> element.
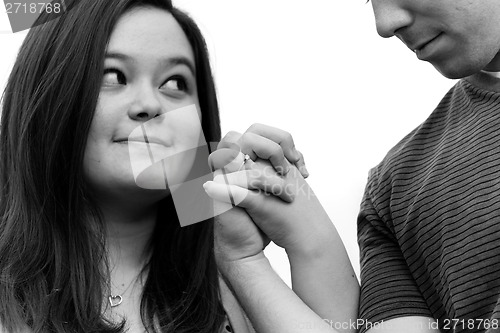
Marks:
<point>458,37</point>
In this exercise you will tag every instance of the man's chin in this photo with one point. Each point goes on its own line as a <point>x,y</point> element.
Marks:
<point>456,72</point>
<point>459,68</point>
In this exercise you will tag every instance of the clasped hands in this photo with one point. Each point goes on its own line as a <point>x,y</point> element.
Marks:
<point>271,197</point>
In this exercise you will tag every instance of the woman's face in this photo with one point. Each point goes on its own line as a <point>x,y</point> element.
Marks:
<point>149,73</point>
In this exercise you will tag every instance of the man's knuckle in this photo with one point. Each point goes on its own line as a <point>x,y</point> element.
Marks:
<point>287,137</point>
<point>254,126</point>
<point>276,151</point>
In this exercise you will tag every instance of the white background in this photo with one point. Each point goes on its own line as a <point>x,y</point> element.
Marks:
<point>319,70</point>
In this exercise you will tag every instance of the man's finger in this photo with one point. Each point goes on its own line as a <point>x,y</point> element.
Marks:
<point>281,137</point>
<point>230,140</point>
<point>301,165</point>
<point>257,146</point>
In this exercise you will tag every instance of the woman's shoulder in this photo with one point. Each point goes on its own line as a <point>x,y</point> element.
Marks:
<point>236,320</point>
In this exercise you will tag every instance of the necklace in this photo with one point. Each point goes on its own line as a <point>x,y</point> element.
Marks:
<point>494,74</point>
<point>115,300</point>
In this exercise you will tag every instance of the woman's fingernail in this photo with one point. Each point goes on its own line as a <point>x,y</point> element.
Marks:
<point>205,186</point>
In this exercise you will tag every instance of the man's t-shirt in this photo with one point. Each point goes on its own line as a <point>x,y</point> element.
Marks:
<point>429,225</point>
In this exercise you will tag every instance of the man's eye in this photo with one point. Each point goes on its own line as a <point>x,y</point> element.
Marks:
<point>113,76</point>
<point>176,84</point>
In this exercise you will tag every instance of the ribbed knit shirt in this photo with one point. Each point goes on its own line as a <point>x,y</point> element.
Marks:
<point>429,225</point>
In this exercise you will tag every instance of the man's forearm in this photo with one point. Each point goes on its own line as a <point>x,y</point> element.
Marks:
<point>269,303</point>
<point>324,279</point>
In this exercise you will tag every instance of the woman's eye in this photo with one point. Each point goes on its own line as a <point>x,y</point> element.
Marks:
<point>113,76</point>
<point>176,84</point>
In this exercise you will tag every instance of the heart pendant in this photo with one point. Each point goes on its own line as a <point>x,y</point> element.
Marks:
<point>115,300</point>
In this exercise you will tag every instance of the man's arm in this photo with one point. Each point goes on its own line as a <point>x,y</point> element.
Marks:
<point>269,303</point>
<point>324,279</point>
<point>390,299</point>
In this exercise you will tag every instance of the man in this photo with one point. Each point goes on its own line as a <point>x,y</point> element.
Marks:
<point>429,225</point>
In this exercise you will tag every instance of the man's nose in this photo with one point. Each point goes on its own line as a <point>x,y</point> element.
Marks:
<point>390,16</point>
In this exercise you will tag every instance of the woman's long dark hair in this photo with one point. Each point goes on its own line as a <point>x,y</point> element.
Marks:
<point>52,241</point>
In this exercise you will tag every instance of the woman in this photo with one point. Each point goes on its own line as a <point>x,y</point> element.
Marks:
<point>83,248</point>
<point>69,234</point>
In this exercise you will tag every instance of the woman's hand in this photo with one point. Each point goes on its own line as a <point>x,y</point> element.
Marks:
<point>236,235</point>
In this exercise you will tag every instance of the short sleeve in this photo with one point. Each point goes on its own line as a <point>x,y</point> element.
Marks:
<point>388,289</point>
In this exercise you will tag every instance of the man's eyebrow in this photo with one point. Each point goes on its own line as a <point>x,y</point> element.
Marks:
<point>166,62</point>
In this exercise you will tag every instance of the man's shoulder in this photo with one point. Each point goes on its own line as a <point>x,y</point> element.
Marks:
<point>423,140</point>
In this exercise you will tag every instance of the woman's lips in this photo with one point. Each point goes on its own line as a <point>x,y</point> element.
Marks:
<point>150,140</point>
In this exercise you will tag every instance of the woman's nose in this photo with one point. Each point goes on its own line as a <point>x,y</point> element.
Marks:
<point>390,16</point>
<point>146,104</point>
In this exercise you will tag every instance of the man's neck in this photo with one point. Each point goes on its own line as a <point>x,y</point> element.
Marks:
<point>489,77</point>
<point>485,81</point>
<point>494,65</point>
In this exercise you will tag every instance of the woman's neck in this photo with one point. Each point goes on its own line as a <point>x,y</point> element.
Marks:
<point>129,230</point>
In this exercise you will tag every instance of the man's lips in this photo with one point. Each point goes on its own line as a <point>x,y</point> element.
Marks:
<point>421,44</point>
